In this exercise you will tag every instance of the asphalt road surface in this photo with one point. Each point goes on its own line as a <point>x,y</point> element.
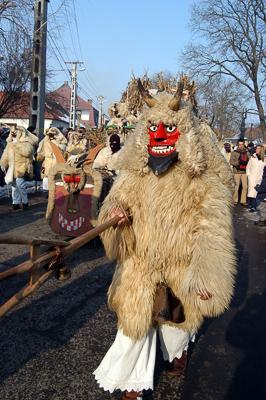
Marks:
<point>52,341</point>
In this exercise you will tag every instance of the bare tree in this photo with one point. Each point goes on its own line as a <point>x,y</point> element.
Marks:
<point>15,52</point>
<point>15,15</point>
<point>15,69</point>
<point>231,42</point>
<point>221,103</point>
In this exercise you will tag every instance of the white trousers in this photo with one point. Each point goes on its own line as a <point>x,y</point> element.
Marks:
<point>19,191</point>
<point>129,365</point>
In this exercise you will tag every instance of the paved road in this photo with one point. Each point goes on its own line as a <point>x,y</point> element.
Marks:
<point>51,343</point>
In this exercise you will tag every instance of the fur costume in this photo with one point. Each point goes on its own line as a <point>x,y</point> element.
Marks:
<point>77,143</point>
<point>120,113</point>
<point>181,230</point>
<point>18,154</point>
<point>45,153</point>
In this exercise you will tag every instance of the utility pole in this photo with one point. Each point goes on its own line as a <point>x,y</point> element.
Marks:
<point>73,94</point>
<point>38,74</point>
<point>100,100</point>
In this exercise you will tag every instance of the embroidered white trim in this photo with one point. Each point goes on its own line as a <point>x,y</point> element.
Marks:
<point>107,385</point>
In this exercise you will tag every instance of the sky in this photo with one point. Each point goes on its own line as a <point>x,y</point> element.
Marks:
<point>115,39</point>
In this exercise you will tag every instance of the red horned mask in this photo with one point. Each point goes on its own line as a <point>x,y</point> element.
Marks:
<point>162,139</point>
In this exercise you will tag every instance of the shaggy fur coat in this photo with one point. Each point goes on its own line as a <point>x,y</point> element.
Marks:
<point>77,144</point>
<point>181,230</point>
<point>18,155</point>
<point>45,153</point>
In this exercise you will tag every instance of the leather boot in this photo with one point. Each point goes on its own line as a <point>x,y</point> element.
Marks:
<point>132,395</point>
<point>178,366</point>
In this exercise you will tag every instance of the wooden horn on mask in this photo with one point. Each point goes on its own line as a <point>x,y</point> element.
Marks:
<point>176,100</point>
<point>149,100</point>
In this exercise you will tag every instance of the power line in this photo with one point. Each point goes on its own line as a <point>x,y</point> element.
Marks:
<point>76,24</point>
<point>90,80</point>
<point>71,32</point>
<point>50,38</point>
<point>91,89</point>
<point>57,26</point>
<point>87,94</point>
<point>59,61</point>
<point>58,9</point>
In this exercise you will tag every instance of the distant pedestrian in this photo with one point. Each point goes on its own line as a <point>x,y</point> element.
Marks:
<point>261,199</point>
<point>254,172</point>
<point>226,151</point>
<point>239,160</point>
<point>251,148</point>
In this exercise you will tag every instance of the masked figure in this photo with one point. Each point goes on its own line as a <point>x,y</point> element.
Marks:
<point>107,156</point>
<point>77,143</point>
<point>173,244</point>
<point>45,152</point>
<point>17,162</point>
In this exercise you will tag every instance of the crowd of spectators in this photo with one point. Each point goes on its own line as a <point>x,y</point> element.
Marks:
<point>249,169</point>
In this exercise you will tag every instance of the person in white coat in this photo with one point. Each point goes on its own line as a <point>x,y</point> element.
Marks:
<point>254,172</point>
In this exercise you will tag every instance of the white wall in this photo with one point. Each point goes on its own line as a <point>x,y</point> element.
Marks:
<point>15,121</point>
<point>85,115</point>
<point>55,123</point>
<point>25,122</point>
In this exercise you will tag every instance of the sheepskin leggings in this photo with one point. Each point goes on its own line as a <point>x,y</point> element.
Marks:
<point>19,191</point>
<point>129,365</point>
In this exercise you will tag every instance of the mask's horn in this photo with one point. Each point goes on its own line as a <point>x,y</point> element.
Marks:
<point>176,100</point>
<point>149,100</point>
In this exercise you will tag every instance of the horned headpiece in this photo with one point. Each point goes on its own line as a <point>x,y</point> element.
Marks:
<point>167,133</point>
<point>174,103</point>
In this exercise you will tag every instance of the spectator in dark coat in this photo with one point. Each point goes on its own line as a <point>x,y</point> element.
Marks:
<point>239,159</point>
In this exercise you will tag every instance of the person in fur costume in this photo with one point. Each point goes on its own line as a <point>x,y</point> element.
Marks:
<point>77,143</point>
<point>46,154</point>
<point>174,238</point>
<point>17,162</point>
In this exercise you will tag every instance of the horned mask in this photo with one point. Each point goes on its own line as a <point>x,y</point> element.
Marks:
<point>162,134</point>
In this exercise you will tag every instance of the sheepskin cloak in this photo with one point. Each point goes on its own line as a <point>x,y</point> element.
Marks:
<point>181,230</point>
<point>18,156</point>
<point>45,152</point>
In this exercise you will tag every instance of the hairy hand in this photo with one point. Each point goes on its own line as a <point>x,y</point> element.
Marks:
<point>204,294</point>
<point>118,212</point>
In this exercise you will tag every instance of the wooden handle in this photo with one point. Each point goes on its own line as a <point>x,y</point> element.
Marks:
<point>69,248</point>
<point>8,239</point>
<point>43,259</point>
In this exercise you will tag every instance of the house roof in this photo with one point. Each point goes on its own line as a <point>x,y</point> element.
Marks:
<point>57,104</point>
<point>62,96</point>
<point>21,108</point>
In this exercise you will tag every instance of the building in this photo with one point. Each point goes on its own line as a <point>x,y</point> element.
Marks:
<point>18,114</point>
<point>87,115</point>
<point>57,104</point>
